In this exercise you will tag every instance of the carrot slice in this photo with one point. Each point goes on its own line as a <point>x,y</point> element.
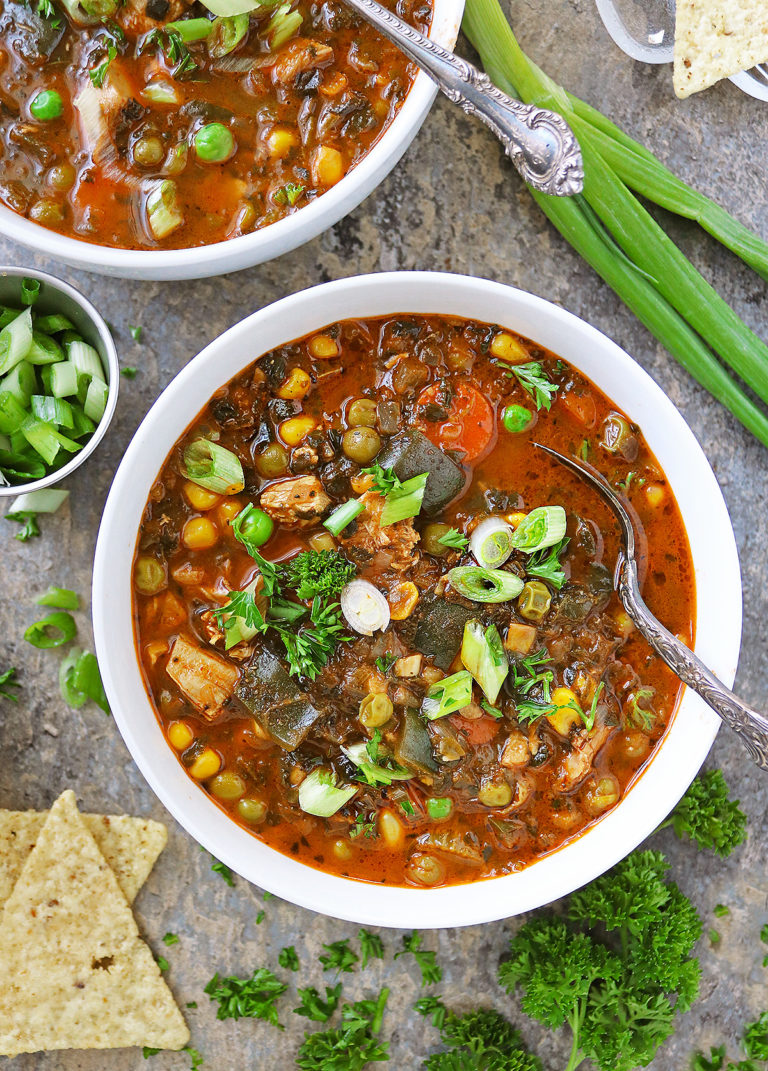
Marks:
<point>468,426</point>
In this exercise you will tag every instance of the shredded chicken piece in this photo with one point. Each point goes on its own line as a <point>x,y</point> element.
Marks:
<point>578,762</point>
<point>206,680</point>
<point>300,55</point>
<point>296,501</point>
<point>394,543</point>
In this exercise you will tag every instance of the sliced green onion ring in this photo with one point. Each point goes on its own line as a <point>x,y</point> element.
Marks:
<point>491,542</point>
<point>319,794</point>
<point>543,527</point>
<point>485,585</point>
<point>61,598</point>
<point>483,655</point>
<point>448,696</point>
<point>51,631</point>
<point>213,467</point>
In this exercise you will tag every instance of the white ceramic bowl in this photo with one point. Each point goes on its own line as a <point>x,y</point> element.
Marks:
<point>288,233</point>
<point>718,607</point>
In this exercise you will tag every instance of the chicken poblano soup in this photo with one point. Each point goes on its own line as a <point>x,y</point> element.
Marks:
<point>379,627</point>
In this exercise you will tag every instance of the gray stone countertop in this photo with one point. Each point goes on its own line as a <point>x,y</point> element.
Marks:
<point>452,204</point>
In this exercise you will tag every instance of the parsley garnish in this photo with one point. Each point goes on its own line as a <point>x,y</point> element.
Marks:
<point>288,959</point>
<point>309,649</point>
<point>619,993</point>
<point>532,378</point>
<point>430,971</point>
<point>755,1039</point>
<point>638,715</point>
<point>351,1046</point>
<point>714,937</point>
<point>624,485</point>
<point>289,193</point>
<point>171,939</point>
<point>314,1007</point>
<point>454,539</point>
<point>339,957</point>
<point>407,807</point>
<point>191,1004</point>
<point>478,1040</point>
<point>708,816</point>
<point>163,963</point>
<point>385,663</point>
<point>129,372</point>
<point>195,1058</point>
<point>433,1008</point>
<point>247,998</point>
<point>362,827</point>
<point>260,917</point>
<point>98,74</point>
<point>317,572</point>
<point>148,1051</point>
<point>135,332</point>
<point>371,946</point>
<point>546,564</point>
<point>7,681</point>
<point>720,911</point>
<point>29,525</point>
<point>384,480</point>
<point>176,52</point>
<point>495,712</point>
<point>223,870</point>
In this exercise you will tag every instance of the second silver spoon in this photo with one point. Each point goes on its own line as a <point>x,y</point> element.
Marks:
<point>539,143</point>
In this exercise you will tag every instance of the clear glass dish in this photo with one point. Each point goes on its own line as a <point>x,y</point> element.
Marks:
<point>645,30</point>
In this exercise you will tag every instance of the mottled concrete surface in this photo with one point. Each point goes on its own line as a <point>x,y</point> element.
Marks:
<point>453,204</point>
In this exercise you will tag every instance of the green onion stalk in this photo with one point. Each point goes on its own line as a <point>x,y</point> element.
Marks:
<point>609,227</point>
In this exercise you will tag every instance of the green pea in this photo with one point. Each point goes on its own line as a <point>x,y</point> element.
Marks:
<point>258,527</point>
<point>439,807</point>
<point>516,418</point>
<point>46,105</point>
<point>214,143</point>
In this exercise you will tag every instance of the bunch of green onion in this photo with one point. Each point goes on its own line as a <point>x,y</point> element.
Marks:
<point>619,238</point>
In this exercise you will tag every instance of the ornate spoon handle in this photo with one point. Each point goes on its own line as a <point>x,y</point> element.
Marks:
<point>751,725</point>
<point>539,143</point>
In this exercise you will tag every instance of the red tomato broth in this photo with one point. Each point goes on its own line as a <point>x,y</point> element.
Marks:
<point>511,470</point>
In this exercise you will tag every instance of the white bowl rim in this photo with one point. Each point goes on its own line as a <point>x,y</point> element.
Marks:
<point>718,610</point>
<point>278,238</point>
<point>113,374</point>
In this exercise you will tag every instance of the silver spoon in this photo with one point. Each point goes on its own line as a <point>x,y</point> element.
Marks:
<point>749,724</point>
<point>539,143</point>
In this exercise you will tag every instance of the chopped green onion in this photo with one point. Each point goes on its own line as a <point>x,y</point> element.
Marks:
<point>485,585</point>
<point>439,807</point>
<point>96,400</point>
<point>282,26</point>
<point>51,325</point>
<point>226,34</point>
<point>129,372</point>
<point>161,93</point>
<point>190,30</point>
<point>448,696</point>
<point>404,501</point>
<point>30,288</point>
<point>69,693</point>
<point>42,438</point>
<point>21,382</point>
<point>62,598</point>
<point>87,680</point>
<point>495,712</point>
<point>15,341</point>
<point>543,527</point>
<point>482,653</point>
<point>46,501</point>
<point>44,350</point>
<point>86,360</point>
<point>163,212</point>
<point>12,413</point>
<point>319,794</point>
<point>491,542</point>
<point>213,467</point>
<point>52,631</point>
<point>64,380</point>
<point>52,410</point>
<point>343,515</point>
<point>288,194</point>
<point>381,772</point>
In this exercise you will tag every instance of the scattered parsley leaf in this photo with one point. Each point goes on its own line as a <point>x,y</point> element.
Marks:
<point>362,827</point>
<point>223,870</point>
<point>625,484</point>
<point>288,958</point>
<point>195,1058</point>
<point>714,937</point>
<point>163,963</point>
<point>339,957</point>
<point>763,929</point>
<point>430,971</point>
<point>639,715</point>
<point>260,917</point>
<point>385,663</point>
<point>148,1051</point>
<point>247,998</point>
<point>714,1062</point>
<point>29,524</point>
<point>533,379</point>
<point>708,816</point>
<point>433,1008</point>
<point>721,911</point>
<point>266,896</point>
<point>584,450</point>
<point>454,539</point>
<point>309,649</point>
<point>7,681</point>
<point>495,712</point>
<point>384,480</point>
<point>99,73</point>
<point>171,939</point>
<point>289,193</point>
<point>350,1046</point>
<point>314,1007</point>
<point>371,946</point>
<point>480,1040</point>
<point>755,1039</point>
<point>545,564</point>
<point>129,372</point>
<point>135,332</point>
<point>191,1004</point>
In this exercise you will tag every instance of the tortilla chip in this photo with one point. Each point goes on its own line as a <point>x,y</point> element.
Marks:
<point>715,39</point>
<point>76,973</point>
<point>130,846</point>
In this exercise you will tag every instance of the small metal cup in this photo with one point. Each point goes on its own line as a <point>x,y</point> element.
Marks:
<point>58,296</point>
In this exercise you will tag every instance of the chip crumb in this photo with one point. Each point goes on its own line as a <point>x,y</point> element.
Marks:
<point>715,39</point>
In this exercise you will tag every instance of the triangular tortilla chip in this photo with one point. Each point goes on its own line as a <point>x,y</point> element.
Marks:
<point>75,972</point>
<point>130,846</point>
<point>715,39</point>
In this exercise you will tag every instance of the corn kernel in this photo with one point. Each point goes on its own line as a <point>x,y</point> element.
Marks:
<point>342,850</point>
<point>516,518</point>
<point>180,735</point>
<point>654,495</point>
<point>295,429</point>
<point>327,166</point>
<point>228,510</point>
<point>507,348</point>
<point>391,830</point>
<point>623,623</point>
<point>565,716</point>
<point>206,765</point>
<point>402,600</point>
<point>199,533</point>
<point>280,141</point>
<point>361,482</point>
<point>322,347</point>
<point>199,498</point>
<point>295,385</point>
